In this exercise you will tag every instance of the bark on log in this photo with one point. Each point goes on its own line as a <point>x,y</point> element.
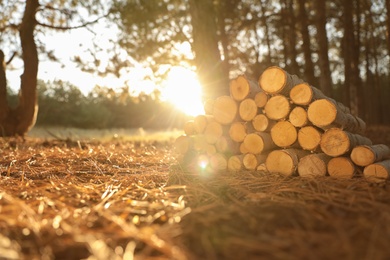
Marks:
<point>225,110</point>
<point>337,142</point>
<point>258,142</point>
<point>261,99</point>
<point>247,109</point>
<point>309,138</point>
<point>235,162</point>
<point>325,113</point>
<point>242,88</point>
<point>261,123</point>
<point>252,161</point>
<point>298,117</point>
<point>238,130</point>
<point>284,161</point>
<point>341,167</point>
<point>303,94</point>
<point>275,80</point>
<point>313,165</point>
<point>277,107</point>
<point>377,172</point>
<point>284,134</point>
<point>364,155</point>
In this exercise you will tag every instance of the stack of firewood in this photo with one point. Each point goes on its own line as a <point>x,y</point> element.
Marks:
<point>281,125</point>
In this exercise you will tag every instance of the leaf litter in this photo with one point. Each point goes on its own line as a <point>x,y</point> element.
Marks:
<point>130,200</point>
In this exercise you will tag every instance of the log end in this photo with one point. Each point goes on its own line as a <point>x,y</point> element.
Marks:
<point>322,112</point>
<point>273,80</point>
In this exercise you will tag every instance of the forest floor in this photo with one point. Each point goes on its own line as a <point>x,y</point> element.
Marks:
<point>124,198</point>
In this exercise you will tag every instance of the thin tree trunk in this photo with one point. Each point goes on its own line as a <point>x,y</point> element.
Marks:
<point>322,38</point>
<point>20,120</point>
<point>309,66</point>
<point>292,38</point>
<point>388,26</point>
<point>3,89</point>
<point>266,33</point>
<point>211,73</point>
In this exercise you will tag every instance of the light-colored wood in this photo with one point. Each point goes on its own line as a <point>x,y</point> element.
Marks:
<point>243,148</point>
<point>313,165</point>
<point>309,138</point>
<point>247,109</point>
<point>341,167</point>
<point>261,99</point>
<point>209,149</point>
<point>364,155</point>
<point>298,117</point>
<point>226,146</point>
<point>189,127</point>
<point>201,121</point>
<point>213,132</point>
<point>235,162</point>
<point>252,161</point>
<point>225,110</point>
<point>337,142</point>
<point>277,107</point>
<point>238,130</point>
<point>242,88</point>
<point>326,113</point>
<point>284,134</point>
<point>284,161</point>
<point>199,143</point>
<point>218,162</point>
<point>303,94</point>
<point>182,144</point>
<point>208,106</point>
<point>275,80</point>
<point>377,172</point>
<point>261,123</point>
<point>258,142</point>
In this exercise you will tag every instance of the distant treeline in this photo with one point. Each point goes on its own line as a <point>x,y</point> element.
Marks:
<point>63,104</point>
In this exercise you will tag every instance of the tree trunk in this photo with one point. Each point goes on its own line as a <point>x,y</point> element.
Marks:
<point>20,120</point>
<point>322,38</point>
<point>210,69</point>
<point>309,66</point>
<point>388,26</point>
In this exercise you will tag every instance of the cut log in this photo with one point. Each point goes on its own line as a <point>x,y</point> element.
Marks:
<point>261,99</point>
<point>284,134</point>
<point>242,88</point>
<point>325,113</point>
<point>218,162</point>
<point>213,132</point>
<point>341,167</point>
<point>377,172</point>
<point>199,143</point>
<point>277,107</point>
<point>225,110</point>
<point>189,127</point>
<point>284,161</point>
<point>247,109</point>
<point>252,161</point>
<point>261,123</point>
<point>209,149</point>
<point>183,144</point>
<point>275,80</point>
<point>364,155</point>
<point>235,162</point>
<point>258,142</point>
<point>238,130</point>
<point>298,117</point>
<point>243,148</point>
<point>225,145</point>
<point>309,138</point>
<point>337,142</point>
<point>303,94</point>
<point>208,106</point>
<point>200,122</point>
<point>313,165</point>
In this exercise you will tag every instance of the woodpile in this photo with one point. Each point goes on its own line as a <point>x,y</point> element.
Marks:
<point>281,125</point>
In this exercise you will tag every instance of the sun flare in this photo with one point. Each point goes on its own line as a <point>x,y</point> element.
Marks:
<point>183,90</point>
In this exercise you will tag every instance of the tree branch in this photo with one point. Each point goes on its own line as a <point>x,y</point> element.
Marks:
<point>71,27</point>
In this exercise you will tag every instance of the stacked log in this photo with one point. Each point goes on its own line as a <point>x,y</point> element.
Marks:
<point>282,125</point>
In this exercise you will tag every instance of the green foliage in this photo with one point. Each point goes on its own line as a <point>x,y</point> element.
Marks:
<point>62,104</point>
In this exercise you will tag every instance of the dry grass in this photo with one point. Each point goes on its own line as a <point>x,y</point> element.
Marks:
<point>129,200</point>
